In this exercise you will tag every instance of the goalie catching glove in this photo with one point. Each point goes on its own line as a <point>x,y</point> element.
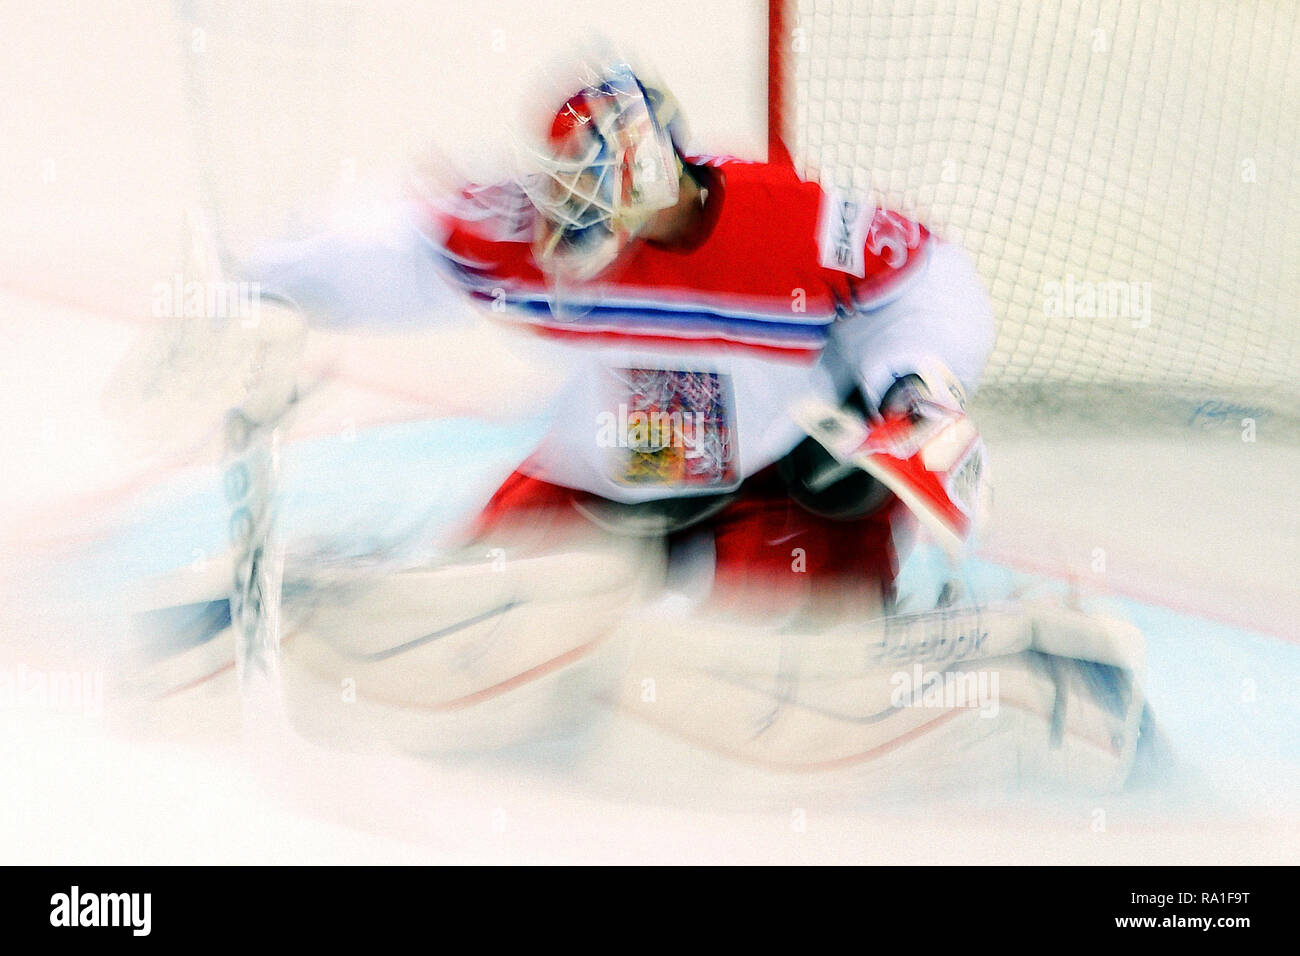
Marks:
<point>923,448</point>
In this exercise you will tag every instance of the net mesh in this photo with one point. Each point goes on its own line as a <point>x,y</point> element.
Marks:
<point>1122,172</point>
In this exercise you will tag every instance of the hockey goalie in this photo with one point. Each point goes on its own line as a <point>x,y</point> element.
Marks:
<point>762,405</point>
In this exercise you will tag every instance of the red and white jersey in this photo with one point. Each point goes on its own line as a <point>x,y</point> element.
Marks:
<point>682,362</point>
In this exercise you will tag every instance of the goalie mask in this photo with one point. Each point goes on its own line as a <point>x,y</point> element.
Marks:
<point>611,165</point>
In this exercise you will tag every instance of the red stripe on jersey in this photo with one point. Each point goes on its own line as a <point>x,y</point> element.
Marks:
<point>802,356</point>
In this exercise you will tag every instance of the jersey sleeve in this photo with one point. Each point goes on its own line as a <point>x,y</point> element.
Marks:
<point>895,251</point>
<point>482,236</point>
<point>879,252</point>
<point>940,321</point>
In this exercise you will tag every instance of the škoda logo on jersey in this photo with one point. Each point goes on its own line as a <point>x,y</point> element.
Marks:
<point>849,229</point>
<point>842,233</point>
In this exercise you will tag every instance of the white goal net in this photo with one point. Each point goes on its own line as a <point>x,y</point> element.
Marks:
<point>1123,172</point>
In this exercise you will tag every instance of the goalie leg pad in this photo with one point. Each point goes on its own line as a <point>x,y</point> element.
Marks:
<point>960,698</point>
<point>506,643</point>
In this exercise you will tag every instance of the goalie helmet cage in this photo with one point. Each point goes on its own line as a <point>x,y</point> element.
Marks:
<point>1122,172</point>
